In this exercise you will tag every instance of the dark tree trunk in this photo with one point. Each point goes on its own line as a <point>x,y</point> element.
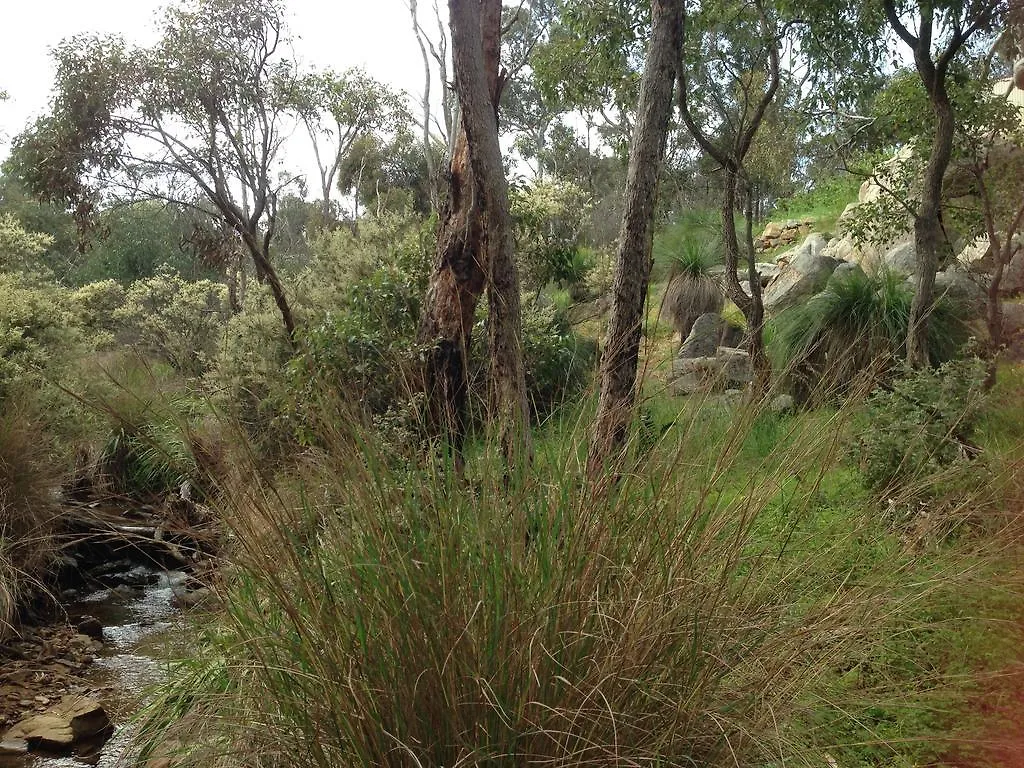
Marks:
<point>928,237</point>
<point>633,264</point>
<point>266,274</point>
<point>762,367</point>
<point>475,52</point>
<point>461,267</point>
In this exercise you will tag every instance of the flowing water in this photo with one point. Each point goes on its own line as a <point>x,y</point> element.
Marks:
<point>138,627</point>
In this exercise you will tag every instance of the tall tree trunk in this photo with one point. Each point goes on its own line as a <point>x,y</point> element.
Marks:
<point>633,263</point>
<point>759,362</point>
<point>928,235</point>
<point>476,43</point>
<point>266,274</point>
<point>460,272</point>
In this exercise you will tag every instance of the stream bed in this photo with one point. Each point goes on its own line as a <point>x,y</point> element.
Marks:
<point>138,632</point>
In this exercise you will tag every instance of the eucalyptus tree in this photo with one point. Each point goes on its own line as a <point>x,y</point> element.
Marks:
<point>620,355</point>
<point>197,119</point>
<point>338,110</point>
<point>936,33</point>
<point>475,247</point>
<point>729,80</point>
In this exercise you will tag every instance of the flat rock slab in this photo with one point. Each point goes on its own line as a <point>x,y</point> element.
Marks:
<point>73,720</point>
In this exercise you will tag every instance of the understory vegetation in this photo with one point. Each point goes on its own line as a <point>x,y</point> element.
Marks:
<point>574,444</point>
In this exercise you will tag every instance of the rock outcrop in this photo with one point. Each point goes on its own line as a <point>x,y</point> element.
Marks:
<point>728,368</point>
<point>802,278</point>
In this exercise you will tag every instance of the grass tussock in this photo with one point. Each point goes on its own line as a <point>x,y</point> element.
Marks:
<point>737,600</point>
<point>28,511</point>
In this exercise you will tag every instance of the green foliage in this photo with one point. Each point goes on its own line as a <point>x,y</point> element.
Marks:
<point>559,364</point>
<point>19,249</point>
<point>692,242</point>
<point>137,240</point>
<point>36,334</point>
<point>95,307</point>
<point>856,327</point>
<point>174,320</point>
<point>734,603</point>
<point>247,382</point>
<point>548,217</point>
<point>825,200</point>
<point>922,423</point>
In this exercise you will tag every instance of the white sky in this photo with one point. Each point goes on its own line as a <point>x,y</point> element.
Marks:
<point>374,34</point>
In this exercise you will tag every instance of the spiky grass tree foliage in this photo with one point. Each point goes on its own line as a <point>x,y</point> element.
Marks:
<point>692,291</point>
<point>857,327</point>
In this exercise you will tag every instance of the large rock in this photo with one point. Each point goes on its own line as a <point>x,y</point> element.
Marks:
<point>901,260</point>
<point>73,720</point>
<point>13,747</point>
<point>842,249</point>
<point>962,288</point>
<point>846,271</point>
<point>803,277</point>
<point>729,368</point>
<point>1013,276</point>
<point>705,337</point>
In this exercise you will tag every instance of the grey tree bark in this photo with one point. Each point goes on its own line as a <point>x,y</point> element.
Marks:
<point>633,263</point>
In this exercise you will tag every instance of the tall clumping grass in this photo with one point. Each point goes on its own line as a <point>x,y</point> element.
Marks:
<point>28,513</point>
<point>858,323</point>
<point>710,609</point>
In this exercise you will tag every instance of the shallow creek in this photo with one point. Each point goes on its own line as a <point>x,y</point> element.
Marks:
<point>138,632</point>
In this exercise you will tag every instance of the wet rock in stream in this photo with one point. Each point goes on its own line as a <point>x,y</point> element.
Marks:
<point>63,692</point>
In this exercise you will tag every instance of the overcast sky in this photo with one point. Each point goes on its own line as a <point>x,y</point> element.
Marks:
<point>374,34</point>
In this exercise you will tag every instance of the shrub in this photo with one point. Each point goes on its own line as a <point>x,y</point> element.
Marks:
<point>94,307</point>
<point>558,363</point>
<point>548,218</point>
<point>37,338</point>
<point>248,381</point>
<point>174,320</point>
<point>856,326</point>
<point>922,423</point>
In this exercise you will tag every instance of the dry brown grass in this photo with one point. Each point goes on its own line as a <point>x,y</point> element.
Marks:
<point>28,511</point>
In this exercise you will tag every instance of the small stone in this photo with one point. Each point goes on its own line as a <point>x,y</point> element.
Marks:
<point>90,626</point>
<point>782,404</point>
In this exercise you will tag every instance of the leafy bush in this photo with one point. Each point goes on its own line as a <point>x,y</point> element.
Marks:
<point>248,380</point>
<point>558,363</point>
<point>548,218</point>
<point>20,248</point>
<point>37,337</point>
<point>922,423</point>
<point>362,346</point>
<point>94,307</point>
<point>174,320</point>
<point>857,325</point>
